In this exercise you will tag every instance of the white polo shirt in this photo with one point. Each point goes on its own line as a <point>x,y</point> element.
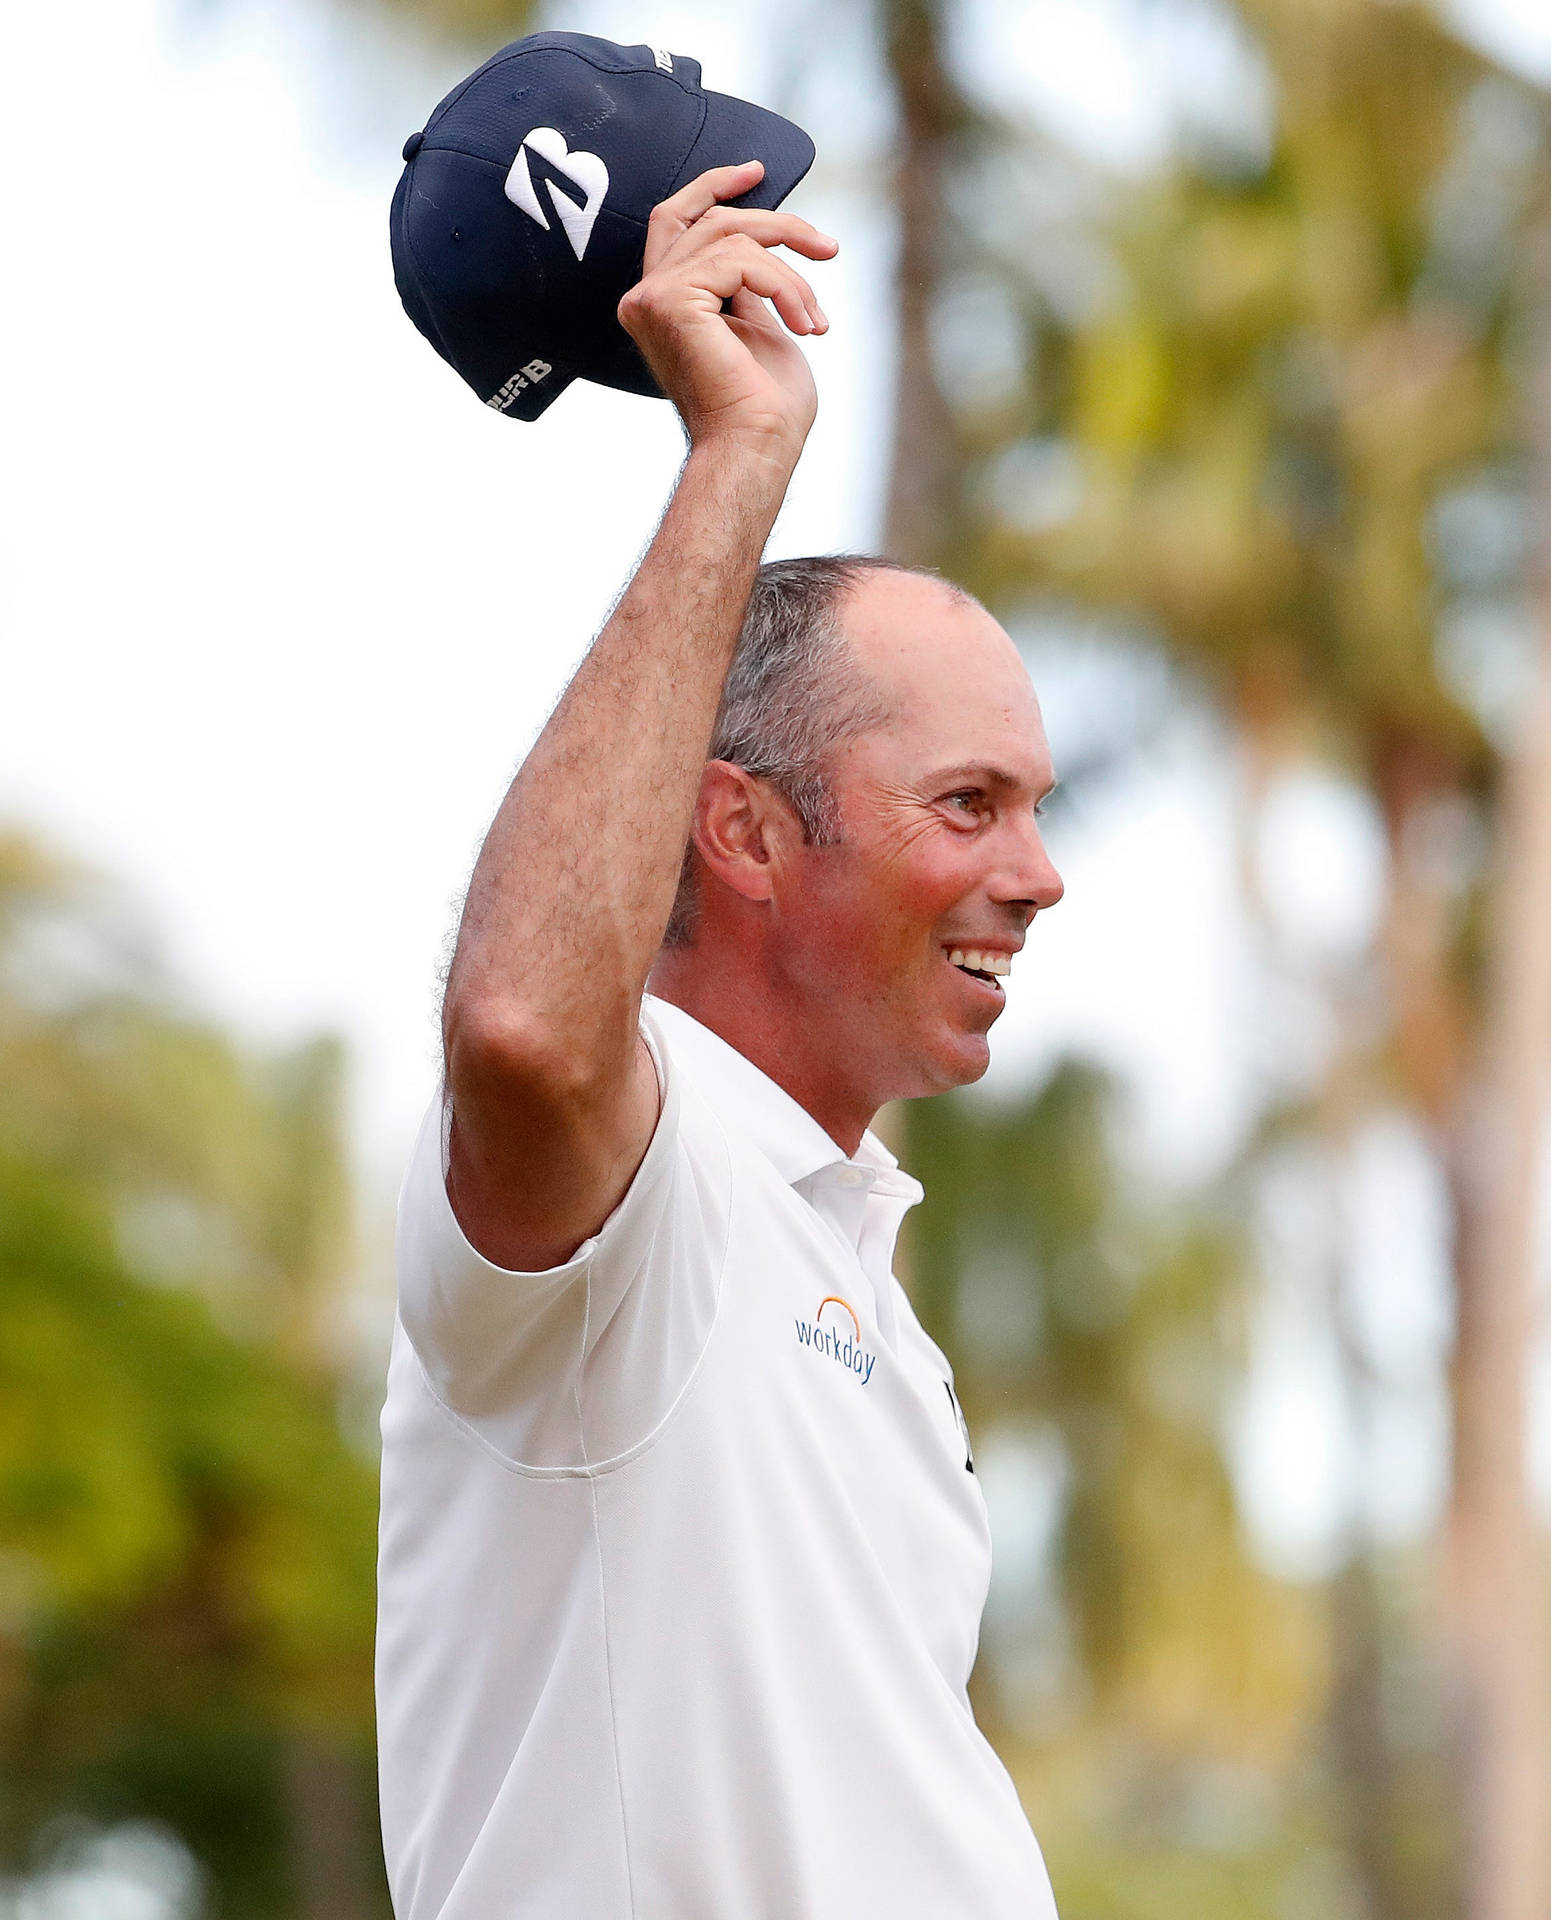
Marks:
<point>682,1562</point>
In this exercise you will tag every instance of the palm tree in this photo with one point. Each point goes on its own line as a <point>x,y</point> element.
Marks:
<point>1307,361</point>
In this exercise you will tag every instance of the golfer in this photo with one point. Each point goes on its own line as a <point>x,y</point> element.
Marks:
<point>683,1554</point>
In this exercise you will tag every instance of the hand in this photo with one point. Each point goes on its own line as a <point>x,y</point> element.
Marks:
<point>731,372</point>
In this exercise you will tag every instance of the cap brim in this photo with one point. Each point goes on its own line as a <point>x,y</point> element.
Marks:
<point>735,130</point>
<point>529,402</point>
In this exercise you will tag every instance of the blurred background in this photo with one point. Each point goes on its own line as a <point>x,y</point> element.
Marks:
<point>1211,344</point>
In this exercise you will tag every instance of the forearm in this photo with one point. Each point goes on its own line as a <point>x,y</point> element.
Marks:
<point>576,879</point>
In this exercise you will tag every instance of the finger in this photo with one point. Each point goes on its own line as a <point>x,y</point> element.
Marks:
<point>770,229</point>
<point>750,309</point>
<point>740,261</point>
<point>722,225</point>
<point>680,210</point>
<point>743,263</point>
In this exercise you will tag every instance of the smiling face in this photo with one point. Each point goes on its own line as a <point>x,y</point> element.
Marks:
<point>939,853</point>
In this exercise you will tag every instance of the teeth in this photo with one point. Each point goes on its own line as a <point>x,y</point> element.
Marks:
<point>974,961</point>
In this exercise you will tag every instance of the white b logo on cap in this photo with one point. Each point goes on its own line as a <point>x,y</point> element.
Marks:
<point>585,171</point>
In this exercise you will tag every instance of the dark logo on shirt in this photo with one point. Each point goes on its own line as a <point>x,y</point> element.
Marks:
<point>958,1414</point>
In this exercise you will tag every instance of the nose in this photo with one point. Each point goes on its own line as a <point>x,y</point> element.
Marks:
<point>1027,876</point>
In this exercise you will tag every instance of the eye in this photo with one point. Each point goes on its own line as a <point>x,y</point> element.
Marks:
<point>969,801</point>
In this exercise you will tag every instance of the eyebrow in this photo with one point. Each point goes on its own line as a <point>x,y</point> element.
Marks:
<point>988,776</point>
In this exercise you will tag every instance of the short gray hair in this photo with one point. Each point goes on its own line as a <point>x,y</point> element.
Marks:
<point>795,694</point>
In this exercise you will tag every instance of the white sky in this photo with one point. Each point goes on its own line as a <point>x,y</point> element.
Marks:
<point>282,605</point>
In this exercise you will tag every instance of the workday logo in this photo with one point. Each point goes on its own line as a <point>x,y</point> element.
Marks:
<point>839,1338</point>
<point>558,169</point>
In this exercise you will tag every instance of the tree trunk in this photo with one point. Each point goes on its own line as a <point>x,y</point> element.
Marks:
<point>923,455</point>
<point>1362,1750</point>
<point>333,1846</point>
<point>1498,1590</point>
<point>923,458</point>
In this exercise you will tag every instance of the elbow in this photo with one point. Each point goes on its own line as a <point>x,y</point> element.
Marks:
<point>498,1053</point>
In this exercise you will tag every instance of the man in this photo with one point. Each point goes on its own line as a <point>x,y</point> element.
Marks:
<point>683,1558</point>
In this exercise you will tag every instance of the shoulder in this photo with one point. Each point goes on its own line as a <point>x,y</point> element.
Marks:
<point>563,1367</point>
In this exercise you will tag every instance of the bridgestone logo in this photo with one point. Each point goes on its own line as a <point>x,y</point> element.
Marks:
<point>531,375</point>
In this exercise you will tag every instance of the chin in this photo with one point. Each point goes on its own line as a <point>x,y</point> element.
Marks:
<point>976,1065</point>
<point>958,1065</point>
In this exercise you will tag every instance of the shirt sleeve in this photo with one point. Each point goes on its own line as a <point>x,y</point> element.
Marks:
<point>573,1370</point>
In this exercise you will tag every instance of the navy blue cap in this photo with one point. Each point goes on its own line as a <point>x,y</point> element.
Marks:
<point>519,222</point>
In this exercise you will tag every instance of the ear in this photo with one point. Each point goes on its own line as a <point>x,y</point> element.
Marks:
<point>741,828</point>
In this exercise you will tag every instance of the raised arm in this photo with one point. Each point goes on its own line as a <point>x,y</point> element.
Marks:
<point>553,1096</point>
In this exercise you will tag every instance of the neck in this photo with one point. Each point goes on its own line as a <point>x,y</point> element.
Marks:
<point>783,1040</point>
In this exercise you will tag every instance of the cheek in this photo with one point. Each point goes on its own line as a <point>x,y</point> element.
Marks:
<point>889,905</point>
<point>936,881</point>
<point>912,907</point>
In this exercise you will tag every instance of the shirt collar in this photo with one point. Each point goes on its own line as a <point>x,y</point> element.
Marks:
<point>786,1133</point>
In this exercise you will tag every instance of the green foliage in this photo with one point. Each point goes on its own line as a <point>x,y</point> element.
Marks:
<point>1295,362</point>
<point>1078,1315</point>
<point>186,1541</point>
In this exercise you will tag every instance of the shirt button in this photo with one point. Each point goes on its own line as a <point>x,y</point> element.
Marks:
<point>850,1177</point>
